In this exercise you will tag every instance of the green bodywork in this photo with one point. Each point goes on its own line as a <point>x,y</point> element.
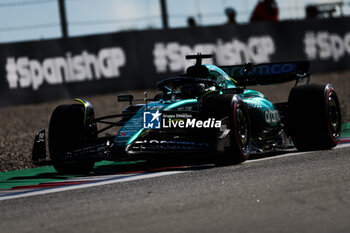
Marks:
<point>134,127</point>
<point>263,114</point>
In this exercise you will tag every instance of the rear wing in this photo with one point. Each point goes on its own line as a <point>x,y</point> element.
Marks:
<point>268,73</point>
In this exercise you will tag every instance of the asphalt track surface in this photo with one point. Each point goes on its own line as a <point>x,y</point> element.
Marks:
<point>304,192</point>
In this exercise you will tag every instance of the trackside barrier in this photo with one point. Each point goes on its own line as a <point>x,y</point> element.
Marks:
<point>38,71</point>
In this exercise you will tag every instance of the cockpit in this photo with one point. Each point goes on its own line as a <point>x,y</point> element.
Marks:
<point>197,80</point>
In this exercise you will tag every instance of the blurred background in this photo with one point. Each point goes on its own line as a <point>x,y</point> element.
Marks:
<point>23,20</point>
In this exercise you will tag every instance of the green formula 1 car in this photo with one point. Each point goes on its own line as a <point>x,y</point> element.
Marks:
<point>206,111</point>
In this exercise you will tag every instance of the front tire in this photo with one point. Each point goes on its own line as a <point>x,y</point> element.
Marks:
<point>233,107</point>
<point>67,133</point>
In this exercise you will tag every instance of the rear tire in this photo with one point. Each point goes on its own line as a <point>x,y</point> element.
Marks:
<point>314,117</point>
<point>232,106</point>
<point>67,133</point>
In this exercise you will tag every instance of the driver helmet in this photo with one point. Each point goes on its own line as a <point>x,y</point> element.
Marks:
<point>191,90</point>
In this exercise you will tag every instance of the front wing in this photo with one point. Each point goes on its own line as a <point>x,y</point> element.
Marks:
<point>154,142</point>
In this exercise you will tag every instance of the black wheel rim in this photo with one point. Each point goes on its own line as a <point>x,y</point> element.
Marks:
<point>242,130</point>
<point>334,116</point>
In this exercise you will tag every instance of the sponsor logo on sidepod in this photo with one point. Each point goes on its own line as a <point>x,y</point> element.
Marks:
<point>272,116</point>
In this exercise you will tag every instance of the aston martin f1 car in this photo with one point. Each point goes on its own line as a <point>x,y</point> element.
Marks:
<point>206,111</point>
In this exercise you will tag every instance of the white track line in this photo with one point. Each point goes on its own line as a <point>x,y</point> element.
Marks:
<point>26,193</point>
<point>292,154</point>
<point>112,179</point>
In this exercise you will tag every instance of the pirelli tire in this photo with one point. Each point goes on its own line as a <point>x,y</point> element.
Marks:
<point>314,117</point>
<point>67,132</point>
<point>233,107</point>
